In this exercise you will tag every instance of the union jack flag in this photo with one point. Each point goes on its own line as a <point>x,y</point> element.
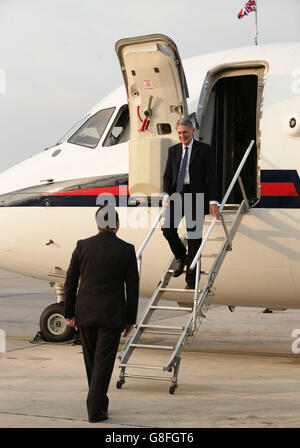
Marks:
<point>250,6</point>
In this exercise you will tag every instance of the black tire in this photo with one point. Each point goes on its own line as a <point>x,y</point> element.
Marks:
<point>53,325</point>
<point>119,384</point>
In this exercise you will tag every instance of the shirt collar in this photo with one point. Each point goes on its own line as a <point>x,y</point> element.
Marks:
<point>190,145</point>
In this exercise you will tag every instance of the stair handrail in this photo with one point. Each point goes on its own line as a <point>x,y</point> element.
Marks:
<point>146,240</point>
<point>226,196</point>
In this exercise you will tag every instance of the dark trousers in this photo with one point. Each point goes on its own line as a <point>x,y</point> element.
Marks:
<point>100,346</point>
<point>193,213</point>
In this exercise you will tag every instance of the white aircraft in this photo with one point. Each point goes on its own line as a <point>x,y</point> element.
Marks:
<point>48,202</point>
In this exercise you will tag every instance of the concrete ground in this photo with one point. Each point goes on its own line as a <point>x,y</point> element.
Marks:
<point>240,371</point>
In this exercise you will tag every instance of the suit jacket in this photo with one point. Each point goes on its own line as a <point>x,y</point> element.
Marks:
<point>202,171</point>
<point>106,266</point>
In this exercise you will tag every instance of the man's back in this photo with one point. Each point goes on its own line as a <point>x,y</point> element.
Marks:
<point>101,308</point>
<point>104,263</point>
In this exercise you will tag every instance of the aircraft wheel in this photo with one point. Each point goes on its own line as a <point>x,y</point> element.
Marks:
<point>53,324</point>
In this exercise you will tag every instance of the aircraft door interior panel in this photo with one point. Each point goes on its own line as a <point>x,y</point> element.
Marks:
<point>157,92</point>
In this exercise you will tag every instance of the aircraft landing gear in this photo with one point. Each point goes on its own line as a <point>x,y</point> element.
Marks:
<point>53,325</point>
<point>52,322</point>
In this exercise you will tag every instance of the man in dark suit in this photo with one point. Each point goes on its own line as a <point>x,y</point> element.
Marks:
<point>189,176</point>
<point>100,309</point>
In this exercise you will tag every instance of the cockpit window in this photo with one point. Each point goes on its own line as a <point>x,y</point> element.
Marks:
<point>71,131</point>
<point>91,131</point>
<point>119,132</point>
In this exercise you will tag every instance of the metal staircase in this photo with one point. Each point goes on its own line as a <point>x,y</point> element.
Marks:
<point>201,298</point>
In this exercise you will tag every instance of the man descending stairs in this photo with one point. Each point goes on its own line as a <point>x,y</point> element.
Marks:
<point>197,299</point>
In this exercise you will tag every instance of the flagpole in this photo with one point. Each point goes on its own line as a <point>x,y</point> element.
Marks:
<point>256,28</point>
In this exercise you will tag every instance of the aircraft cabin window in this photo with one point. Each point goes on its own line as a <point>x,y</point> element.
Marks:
<point>91,131</point>
<point>164,128</point>
<point>119,132</point>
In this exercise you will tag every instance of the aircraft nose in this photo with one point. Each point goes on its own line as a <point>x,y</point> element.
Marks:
<point>24,174</point>
<point>12,180</point>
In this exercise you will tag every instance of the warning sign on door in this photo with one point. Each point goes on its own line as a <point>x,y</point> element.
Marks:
<point>148,84</point>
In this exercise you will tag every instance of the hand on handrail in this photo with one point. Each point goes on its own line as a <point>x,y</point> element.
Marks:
<point>165,201</point>
<point>215,211</point>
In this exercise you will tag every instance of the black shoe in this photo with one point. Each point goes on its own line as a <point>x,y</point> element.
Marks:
<point>178,270</point>
<point>267,310</point>
<point>99,418</point>
<point>189,286</point>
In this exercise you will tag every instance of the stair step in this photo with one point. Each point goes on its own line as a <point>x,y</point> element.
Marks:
<point>216,238</point>
<point>177,290</point>
<point>170,308</point>
<point>202,272</point>
<point>141,366</point>
<point>161,327</point>
<point>146,377</point>
<point>219,222</point>
<point>163,332</point>
<point>157,347</point>
<point>230,207</point>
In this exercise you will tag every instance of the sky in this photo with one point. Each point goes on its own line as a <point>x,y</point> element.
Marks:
<point>57,57</point>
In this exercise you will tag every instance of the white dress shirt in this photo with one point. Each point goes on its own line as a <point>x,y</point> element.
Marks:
<point>187,173</point>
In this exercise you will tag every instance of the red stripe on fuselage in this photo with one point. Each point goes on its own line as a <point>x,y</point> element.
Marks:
<point>116,190</point>
<point>267,189</point>
<point>278,189</point>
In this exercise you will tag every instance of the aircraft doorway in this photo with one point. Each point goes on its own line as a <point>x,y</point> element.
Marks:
<point>229,124</point>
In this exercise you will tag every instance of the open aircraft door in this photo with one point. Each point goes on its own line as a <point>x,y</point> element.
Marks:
<point>157,91</point>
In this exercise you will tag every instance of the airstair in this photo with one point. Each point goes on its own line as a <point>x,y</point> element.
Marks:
<point>201,298</point>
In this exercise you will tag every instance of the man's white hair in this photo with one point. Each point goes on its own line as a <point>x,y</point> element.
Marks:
<point>185,122</point>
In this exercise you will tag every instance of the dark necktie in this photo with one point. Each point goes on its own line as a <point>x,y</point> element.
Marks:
<point>181,174</point>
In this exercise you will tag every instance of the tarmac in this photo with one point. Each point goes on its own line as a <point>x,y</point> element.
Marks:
<point>241,370</point>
